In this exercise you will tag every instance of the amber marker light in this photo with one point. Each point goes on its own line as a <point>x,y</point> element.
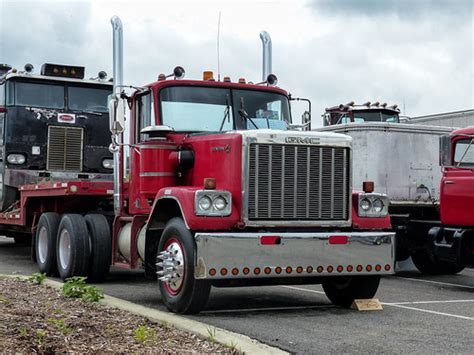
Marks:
<point>226,79</point>
<point>309,269</point>
<point>349,268</point>
<point>235,271</point>
<point>209,183</point>
<point>330,269</point>
<point>256,271</point>
<point>246,270</point>
<point>299,269</point>
<point>368,186</point>
<point>368,267</point>
<point>223,271</point>
<point>289,269</point>
<point>340,268</point>
<point>378,267</point>
<point>319,269</point>
<point>208,75</point>
<point>242,81</point>
<point>359,268</point>
<point>268,270</point>
<point>212,272</point>
<point>278,270</point>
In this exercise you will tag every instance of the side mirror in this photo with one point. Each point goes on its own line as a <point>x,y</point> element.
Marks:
<point>157,131</point>
<point>445,151</point>
<point>306,120</point>
<point>404,119</point>
<point>116,114</point>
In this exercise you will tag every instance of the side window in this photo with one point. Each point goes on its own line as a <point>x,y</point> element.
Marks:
<point>2,95</point>
<point>464,152</point>
<point>145,114</point>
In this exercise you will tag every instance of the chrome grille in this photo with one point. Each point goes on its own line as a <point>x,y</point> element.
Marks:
<point>65,146</point>
<point>288,182</point>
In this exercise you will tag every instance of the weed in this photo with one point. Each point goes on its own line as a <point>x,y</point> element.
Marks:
<point>58,311</point>
<point>144,334</point>
<point>233,347</point>
<point>211,335</point>
<point>37,278</point>
<point>60,324</point>
<point>40,335</point>
<point>23,332</point>
<point>75,287</point>
<point>4,300</point>
<point>109,330</point>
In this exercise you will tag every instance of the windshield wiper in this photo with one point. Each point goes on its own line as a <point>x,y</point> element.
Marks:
<point>246,117</point>
<point>226,113</point>
<point>464,154</point>
<point>92,112</point>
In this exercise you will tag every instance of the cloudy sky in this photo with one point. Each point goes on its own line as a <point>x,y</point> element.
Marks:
<point>416,53</point>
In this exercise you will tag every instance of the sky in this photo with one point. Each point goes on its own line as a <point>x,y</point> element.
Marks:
<point>415,53</point>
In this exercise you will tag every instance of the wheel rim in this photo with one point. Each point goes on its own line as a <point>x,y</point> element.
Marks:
<point>171,266</point>
<point>64,250</point>
<point>43,244</point>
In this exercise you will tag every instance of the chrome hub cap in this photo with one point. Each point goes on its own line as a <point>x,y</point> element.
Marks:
<point>43,244</point>
<point>170,266</point>
<point>64,248</point>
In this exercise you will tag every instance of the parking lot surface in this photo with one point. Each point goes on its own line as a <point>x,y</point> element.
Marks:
<point>422,314</point>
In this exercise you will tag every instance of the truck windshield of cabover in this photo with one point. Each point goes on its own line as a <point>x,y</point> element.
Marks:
<point>222,109</point>
<point>370,116</point>
<point>58,95</point>
<point>464,153</point>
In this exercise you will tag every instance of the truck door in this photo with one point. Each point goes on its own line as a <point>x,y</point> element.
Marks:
<point>457,186</point>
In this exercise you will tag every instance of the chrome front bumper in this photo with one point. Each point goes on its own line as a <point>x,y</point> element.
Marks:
<point>246,255</point>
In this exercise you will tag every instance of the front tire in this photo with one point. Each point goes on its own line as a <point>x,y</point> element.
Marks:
<point>342,291</point>
<point>180,291</point>
<point>45,243</point>
<point>73,248</point>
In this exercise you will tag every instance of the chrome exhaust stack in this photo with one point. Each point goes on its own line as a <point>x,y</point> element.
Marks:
<point>267,54</point>
<point>117,31</point>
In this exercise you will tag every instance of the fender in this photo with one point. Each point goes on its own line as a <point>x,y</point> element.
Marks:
<point>183,197</point>
<point>367,223</point>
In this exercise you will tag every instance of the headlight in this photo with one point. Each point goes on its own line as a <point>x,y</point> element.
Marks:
<point>205,203</point>
<point>378,205</point>
<point>373,205</point>
<point>212,203</point>
<point>108,163</point>
<point>16,159</point>
<point>365,204</point>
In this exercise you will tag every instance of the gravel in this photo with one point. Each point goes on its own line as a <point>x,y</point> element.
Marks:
<point>37,318</point>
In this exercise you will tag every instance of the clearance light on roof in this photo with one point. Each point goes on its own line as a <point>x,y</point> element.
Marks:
<point>208,75</point>
<point>62,70</point>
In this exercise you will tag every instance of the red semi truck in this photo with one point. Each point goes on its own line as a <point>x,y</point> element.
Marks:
<point>218,193</point>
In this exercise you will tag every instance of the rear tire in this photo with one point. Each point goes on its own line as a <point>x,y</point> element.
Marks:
<point>101,246</point>
<point>45,242</point>
<point>182,293</point>
<point>427,263</point>
<point>72,246</point>
<point>342,291</point>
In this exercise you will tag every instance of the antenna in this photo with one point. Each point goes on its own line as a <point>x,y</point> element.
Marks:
<point>218,51</point>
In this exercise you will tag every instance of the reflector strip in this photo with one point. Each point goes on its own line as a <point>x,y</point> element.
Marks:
<point>270,240</point>
<point>338,239</point>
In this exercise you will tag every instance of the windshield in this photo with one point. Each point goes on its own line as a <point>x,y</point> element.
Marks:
<point>375,116</point>
<point>464,153</point>
<point>197,109</point>
<point>36,95</point>
<point>88,99</point>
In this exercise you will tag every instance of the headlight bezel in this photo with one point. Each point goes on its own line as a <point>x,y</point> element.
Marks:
<point>108,163</point>
<point>16,158</point>
<point>213,195</point>
<point>372,198</point>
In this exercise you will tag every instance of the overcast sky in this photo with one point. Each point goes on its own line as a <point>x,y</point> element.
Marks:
<point>416,53</point>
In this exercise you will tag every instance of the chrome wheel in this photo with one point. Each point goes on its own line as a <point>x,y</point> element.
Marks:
<point>170,266</point>
<point>64,249</point>
<point>43,244</point>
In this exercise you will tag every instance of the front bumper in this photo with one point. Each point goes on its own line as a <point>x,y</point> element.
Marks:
<point>247,255</point>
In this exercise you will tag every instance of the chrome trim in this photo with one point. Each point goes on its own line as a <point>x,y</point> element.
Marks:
<point>266,54</point>
<point>168,147</point>
<point>276,137</point>
<point>156,173</point>
<point>372,197</point>
<point>213,194</point>
<point>239,250</point>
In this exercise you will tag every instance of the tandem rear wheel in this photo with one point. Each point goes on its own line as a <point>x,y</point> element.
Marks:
<point>73,245</point>
<point>427,263</point>
<point>342,291</point>
<point>180,291</point>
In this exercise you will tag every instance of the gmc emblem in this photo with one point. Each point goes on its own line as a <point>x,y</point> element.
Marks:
<point>302,140</point>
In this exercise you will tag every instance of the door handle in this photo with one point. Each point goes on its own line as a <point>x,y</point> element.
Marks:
<point>449,182</point>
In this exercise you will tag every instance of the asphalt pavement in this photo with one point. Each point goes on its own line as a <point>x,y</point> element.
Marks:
<point>422,314</point>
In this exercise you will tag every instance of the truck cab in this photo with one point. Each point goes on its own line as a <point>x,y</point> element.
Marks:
<point>50,126</point>
<point>364,113</point>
